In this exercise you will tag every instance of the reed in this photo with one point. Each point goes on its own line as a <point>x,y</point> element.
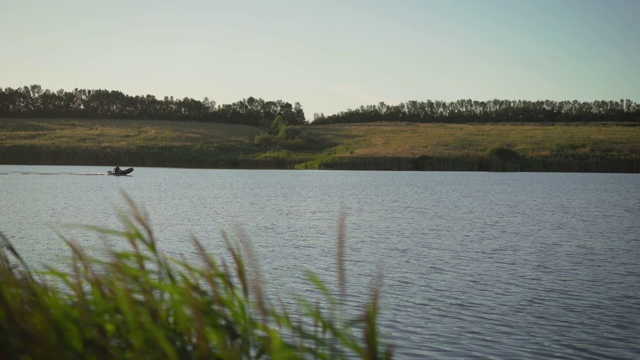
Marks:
<point>140,304</point>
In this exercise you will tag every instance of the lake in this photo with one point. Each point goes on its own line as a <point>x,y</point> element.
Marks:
<point>476,265</point>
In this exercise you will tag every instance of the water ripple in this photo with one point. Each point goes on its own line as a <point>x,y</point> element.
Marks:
<point>476,265</point>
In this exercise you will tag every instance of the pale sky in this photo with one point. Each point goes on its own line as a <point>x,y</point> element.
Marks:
<point>328,55</point>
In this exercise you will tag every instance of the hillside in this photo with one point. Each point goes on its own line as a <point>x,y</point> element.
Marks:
<point>604,147</point>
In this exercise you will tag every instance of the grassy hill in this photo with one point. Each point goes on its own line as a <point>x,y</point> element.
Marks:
<point>606,147</point>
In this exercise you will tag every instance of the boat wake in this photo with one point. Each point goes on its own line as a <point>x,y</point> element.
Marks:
<point>48,173</point>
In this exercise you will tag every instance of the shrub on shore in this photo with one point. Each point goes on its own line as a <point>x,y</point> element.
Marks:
<point>140,304</point>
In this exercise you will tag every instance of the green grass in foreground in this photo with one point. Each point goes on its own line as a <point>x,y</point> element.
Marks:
<point>139,304</point>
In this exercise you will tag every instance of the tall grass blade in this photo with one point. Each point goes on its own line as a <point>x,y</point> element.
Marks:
<point>137,303</point>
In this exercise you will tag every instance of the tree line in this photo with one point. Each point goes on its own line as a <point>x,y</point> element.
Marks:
<point>489,111</point>
<point>33,102</point>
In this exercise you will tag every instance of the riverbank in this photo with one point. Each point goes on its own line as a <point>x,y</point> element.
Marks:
<point>605,147</point>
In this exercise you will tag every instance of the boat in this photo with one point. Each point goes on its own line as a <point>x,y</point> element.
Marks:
<point>121,172</point>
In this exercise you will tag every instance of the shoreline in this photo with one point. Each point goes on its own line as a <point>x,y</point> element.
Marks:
<point>173,159</point>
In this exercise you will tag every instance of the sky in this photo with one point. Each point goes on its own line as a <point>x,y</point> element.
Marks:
<point>329,56</point>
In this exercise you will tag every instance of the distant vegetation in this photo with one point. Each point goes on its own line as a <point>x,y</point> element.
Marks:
<point>282,136</point>
<point>473,111</point>
<point>35,102</point>
<point>585,147</point>
<point>140,304</point>
<point>101,127</point>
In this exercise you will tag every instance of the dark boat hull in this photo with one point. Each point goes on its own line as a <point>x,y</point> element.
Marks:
<point>121,172</point>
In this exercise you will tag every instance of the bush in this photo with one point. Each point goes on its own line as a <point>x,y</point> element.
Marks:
<point>289,133</point>
<point>264,140</point>
<point>503,153</point>
<point>286,137</point>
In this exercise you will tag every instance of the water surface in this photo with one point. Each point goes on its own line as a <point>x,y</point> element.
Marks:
<point>485,265</point>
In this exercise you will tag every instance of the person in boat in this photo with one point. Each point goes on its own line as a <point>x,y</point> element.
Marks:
<point>116,169</point>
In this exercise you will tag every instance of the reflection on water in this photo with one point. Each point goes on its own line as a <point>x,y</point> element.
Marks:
<point>475,264</point>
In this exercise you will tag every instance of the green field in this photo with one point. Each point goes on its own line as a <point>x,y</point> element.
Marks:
<point>610,147</point>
